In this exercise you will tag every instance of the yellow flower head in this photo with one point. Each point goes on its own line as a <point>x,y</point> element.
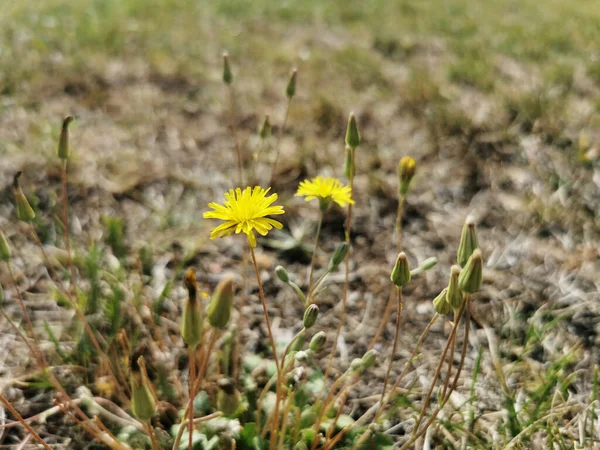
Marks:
<point>325,189</point>
<point>245,211</point>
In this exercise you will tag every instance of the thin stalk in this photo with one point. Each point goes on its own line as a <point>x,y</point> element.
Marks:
<point>278,143</point>
<point>388,309</point>
<point>31,431</point>
<point>438,369</point>
<point>154,442</point>
<point>234,130</point>
<point>346,278</point>
<point>192,378</point>
<point>450,360</point>
<point>197,420</point>
<point>323,409</point>
<point>241,315</point>
<point>65,203</point>
<point>312,260</point>
<point>204,363</point>
<point>286,412</point>
<point>395,346</point>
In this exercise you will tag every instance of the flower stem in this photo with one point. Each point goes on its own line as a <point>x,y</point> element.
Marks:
<point>192,377</point>
<point>66,223</point>
<point>312,260</point>
<point>14,412</point>
<point>395,346</point>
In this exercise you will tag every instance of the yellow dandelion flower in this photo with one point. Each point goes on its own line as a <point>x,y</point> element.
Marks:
<point>245,211</point>
<point>325,189</point>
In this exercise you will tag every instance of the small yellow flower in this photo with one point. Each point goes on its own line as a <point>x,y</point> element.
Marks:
<point>245,211</point>
<point>325,189</point>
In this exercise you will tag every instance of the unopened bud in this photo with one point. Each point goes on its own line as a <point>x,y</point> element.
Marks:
<point>406,172</point>
<point>191,322</point>
<point>468,242</point>
<point>401,272</point>
<point>356,364</point>
<point>318,342</point>
<point>301,356</point>
<point>454,296</point>
<point>143,404</point>
<point>352,134</point>
<point>282,274</point>
<point>221,303</point>
<point>369,359</point>
<point>24,210</point>
<point>310,316</point>
<point>338,256</point>
<point>227,75</point>
<point>228,397</point>
<point>1,295</point>
<point>440,303</point>
<point>5,253</point>
<point>301,446</point>
<point>63,143</point>
<point>290,90</point>
<point>470,277</point>
<point>265,129</point>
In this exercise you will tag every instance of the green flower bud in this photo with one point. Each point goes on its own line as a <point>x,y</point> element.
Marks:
<point>5,253</point>
<point>356,365</point>
<point>454,296</point>
<point>221,303</point>
<point>63,150</point>
<point>468,242</point>
<point>401,272</point>
<point>265,129</point>
<point>300,446</point>
<point>352,134</point>
<point>338,256</point>
<point>441,304</point>
<point>228,397</point>
<point>369,359</point>
<point>24,210</point>
<point>143,404</point>
<point>406,172</point>
<point>349,169</point>
<point>227,75</point>
<point>301,356</point>
<point>282,274</point>
<point>310,316</point>
<point>317,342</point>
<point>191,323</point>
<point>470,277</point>
<point>290,90</point>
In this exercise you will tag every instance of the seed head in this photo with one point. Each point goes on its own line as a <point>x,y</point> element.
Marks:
<point>64,150</point>
<point>401,272</point>
<point>143,404</point>
<point>310,316</point>
<point>468,242</point>
<point>352,134</point>
<point>454,295</point>
<point>470,277</point>
<point>24,210</point>
<point>221,304</point>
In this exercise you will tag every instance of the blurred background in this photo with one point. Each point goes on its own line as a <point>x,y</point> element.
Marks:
<point>498,102</point>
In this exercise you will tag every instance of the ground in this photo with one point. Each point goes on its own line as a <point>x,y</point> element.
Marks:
<point>498,102</point>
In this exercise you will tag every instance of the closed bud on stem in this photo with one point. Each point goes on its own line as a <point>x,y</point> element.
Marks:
<point>143,404</point>
<point>63,150</point>
<point>290,90</point>
<point>318,342</point>
<point>221,303</point>
<point>468,242</point>
<point>349,169</point>
<point>5,253</point>
<point>401,272</point>
<point>454,295</point>
<point>282,274</point>
<point>228,397</point>
<point>356,365</point>
<point>310,316</point>
<point>1,295</point>
<point>301,446</point>
<point>406,172</point>
<point>338,256</point>
<point>265,129</point>
<point>369,359</point>
<point>191,323</point>
<point>440,303</point>
<point>24,209</point>
<point>227,75</point>
<point>352,134</point>
<point>470,277</point>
